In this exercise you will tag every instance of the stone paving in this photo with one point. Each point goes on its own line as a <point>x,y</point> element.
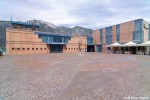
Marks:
<point>92,76</point>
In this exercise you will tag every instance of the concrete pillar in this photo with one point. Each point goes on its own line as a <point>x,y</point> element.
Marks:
<point>147,48</point>
<point>136,49</point>
<point>95,47</point>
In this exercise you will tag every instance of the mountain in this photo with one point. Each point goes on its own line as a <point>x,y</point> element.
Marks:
<point>50,27</point>
<point>47,23</point>
<point>45,27</point>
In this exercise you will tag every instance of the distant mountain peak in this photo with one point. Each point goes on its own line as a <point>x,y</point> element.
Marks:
<point>48,24</point>
<point>79,27</point>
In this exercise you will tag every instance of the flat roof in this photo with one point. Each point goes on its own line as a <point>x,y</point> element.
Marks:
<point>23,23</point>
<point>59,43</point>
<point>50,33</point>
<point>121,23</point>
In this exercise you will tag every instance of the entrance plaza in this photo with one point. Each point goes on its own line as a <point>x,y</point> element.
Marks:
<point>90,76</point>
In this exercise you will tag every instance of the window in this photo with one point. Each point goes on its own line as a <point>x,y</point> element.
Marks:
<point>118,37</point>
<point>108,33</point>
<point>138,25</point>
<point>137,36</point>
<point>66,39</point>
<point>50,39</point>
<point>57,39</point>
<point>149,31</point>
<point>44,38</point>
<point>117,33</point>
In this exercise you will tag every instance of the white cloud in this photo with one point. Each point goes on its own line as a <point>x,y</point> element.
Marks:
<point>89,13</point>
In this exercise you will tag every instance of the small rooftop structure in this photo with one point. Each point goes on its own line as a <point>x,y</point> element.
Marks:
<point>52,34</point>
<point>24,25</point>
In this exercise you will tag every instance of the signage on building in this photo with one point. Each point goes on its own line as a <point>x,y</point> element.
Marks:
<point>145,25</point>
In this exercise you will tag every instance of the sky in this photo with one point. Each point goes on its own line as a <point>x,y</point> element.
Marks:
<point>92,14</point>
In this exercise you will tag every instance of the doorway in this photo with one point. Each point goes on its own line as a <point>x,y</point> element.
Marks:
<point>90,48</point>
<point>56,48</point>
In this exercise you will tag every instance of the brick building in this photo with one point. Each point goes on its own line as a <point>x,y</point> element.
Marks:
<point>137,31</point>
<point>25,38</point>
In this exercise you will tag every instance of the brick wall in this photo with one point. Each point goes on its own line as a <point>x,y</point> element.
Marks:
<point>72,45</point>
<point>126,30</point>
<point>24,42</point>
<point>96,36</point>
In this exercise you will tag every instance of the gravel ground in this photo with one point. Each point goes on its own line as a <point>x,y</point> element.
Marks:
<point>92,76</point>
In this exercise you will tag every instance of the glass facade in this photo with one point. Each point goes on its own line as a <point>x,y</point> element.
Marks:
<point>149,32</point>
<point>90,41</point>
<point>98,48</point>
<point>51,39</point>
<point>138,34</point>
<point>101,36</point>
<point>118,33</point>
<point>108,35</point>
<point>57,39</point>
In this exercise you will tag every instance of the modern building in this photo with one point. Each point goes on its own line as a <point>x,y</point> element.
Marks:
<point>137,31</point>
<point>24,38</point>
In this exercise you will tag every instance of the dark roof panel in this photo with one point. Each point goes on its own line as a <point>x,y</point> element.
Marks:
<point>50,33</point>
<point>23,23</point>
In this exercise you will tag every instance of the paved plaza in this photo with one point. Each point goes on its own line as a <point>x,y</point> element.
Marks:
<point>92,76</point>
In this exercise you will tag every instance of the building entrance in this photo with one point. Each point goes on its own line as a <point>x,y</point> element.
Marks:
<point>56,48</point>
<point>90,48</point>
<point>98,48</point>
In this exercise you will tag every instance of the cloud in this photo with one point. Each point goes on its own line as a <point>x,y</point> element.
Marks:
<point>87,13</point>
